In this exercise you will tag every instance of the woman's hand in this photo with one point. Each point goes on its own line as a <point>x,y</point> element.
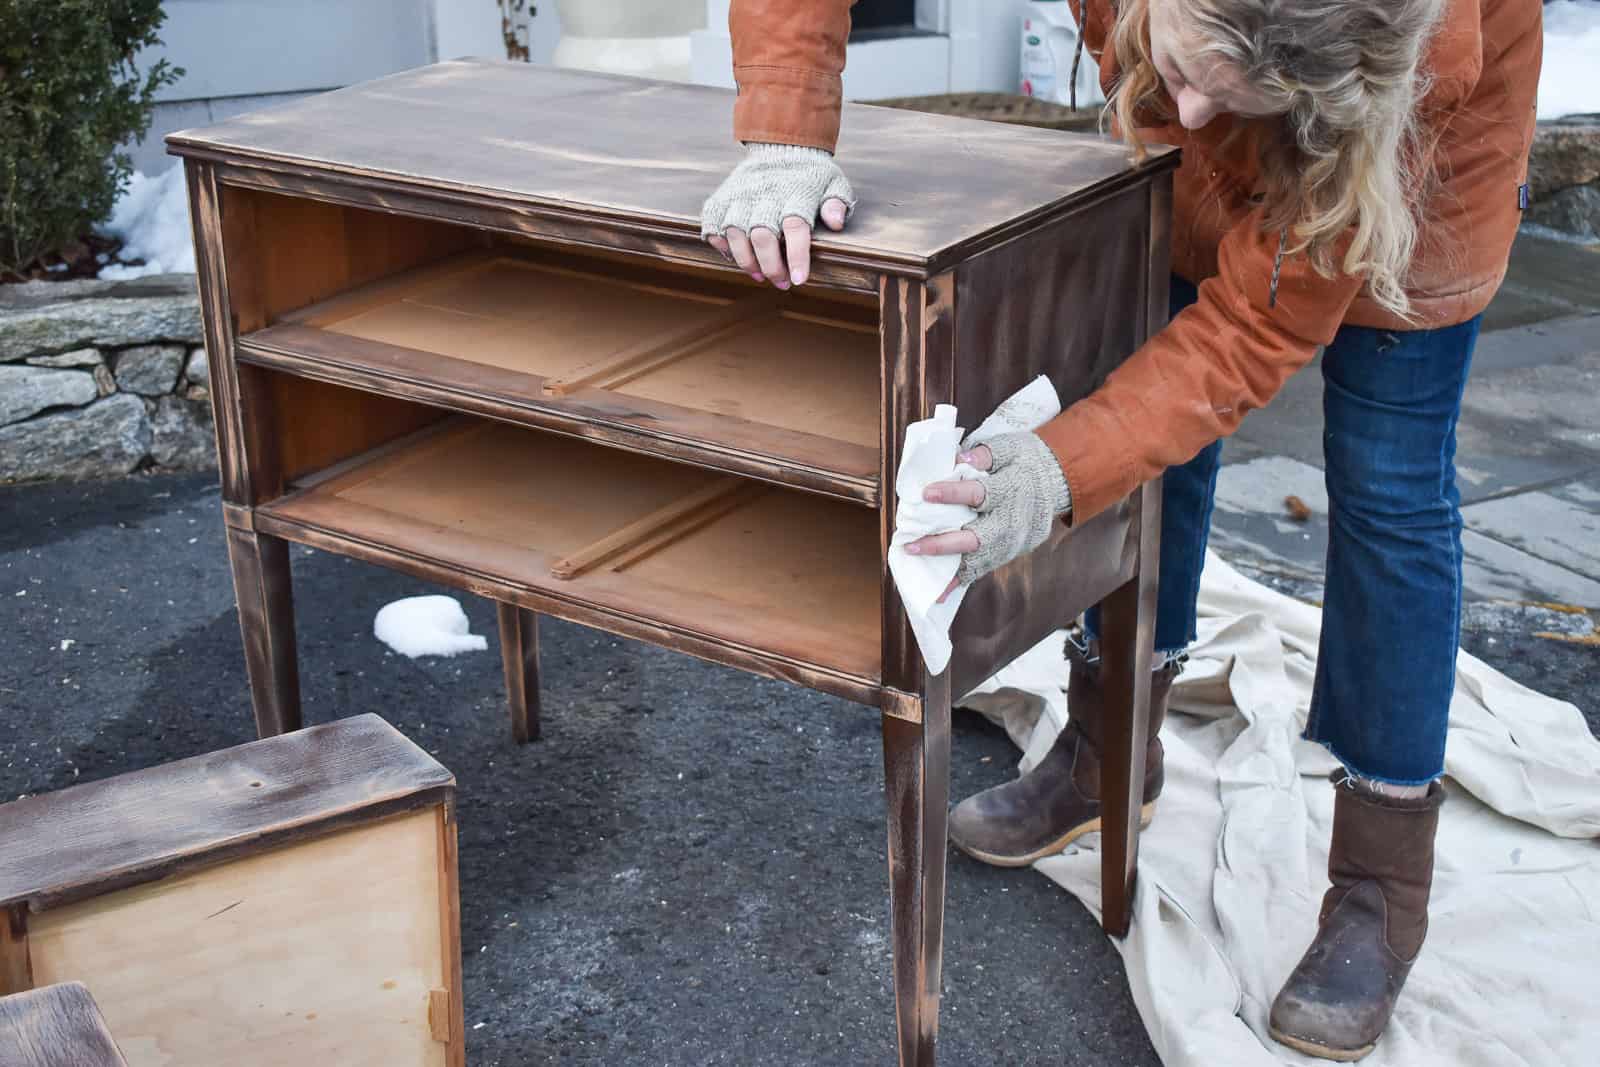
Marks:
<point>1024,494</point>
<point>777,188</point>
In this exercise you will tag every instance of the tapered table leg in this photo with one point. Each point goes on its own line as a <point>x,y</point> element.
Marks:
<point>519,656</point>
<point>1127,640</point>
<point>262,585</point>
<point>916,763</point>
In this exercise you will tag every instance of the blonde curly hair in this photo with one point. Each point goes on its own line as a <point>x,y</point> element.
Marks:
<point>1340,159</point>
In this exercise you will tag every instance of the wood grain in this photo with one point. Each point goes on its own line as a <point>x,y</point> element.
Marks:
<point>450,933</point>
<point>1011,310</point>
<point>56,1026</point>
<point>648,529</point>
<point>916,767</point>
<point>315,952</point>
<point>1127,642</point>
<point>644,356</point>
<point>519,660</point>
<point>605,150</point>
<point>262,586</point>
<point>150,824</point>
<point>793,575</point>
<point>16,969</point>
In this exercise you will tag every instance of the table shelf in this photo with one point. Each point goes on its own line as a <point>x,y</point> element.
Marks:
<point>739,379</point>
<point>789,578</point>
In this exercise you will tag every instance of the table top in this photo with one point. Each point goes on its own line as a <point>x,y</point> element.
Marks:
<point>932,188</point>
<point>136,827</point>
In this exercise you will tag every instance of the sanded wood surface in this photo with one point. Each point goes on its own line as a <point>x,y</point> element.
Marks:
<point>55,1026</point>
<point>714,498</point>
<point>321,952</point>
<point>602,149</point>
<point>791,574</point>
<point>91,838</point>
<point>669,363</point>
<point>677,345</point>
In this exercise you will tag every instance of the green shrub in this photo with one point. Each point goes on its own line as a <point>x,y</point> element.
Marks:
<point>70,96</point>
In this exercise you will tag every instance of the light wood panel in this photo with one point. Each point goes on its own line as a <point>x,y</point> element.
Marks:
<point>319,953</point>
<point>795,574</point>
<point>734,358</point>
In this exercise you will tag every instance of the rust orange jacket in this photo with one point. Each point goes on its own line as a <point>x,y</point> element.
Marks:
<point>1232,351</point>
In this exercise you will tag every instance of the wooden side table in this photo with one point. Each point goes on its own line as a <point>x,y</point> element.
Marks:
<point>461,323</point>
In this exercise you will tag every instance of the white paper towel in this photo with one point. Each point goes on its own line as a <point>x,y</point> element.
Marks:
<point>928,456</point>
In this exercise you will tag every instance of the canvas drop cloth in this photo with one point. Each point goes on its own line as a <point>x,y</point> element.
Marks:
<point>1232,871</point>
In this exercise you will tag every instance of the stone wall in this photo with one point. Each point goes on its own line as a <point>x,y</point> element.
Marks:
<point>102,378</point>
<point>1564,176</point>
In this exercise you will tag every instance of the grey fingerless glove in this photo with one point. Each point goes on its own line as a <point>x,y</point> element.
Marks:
<point>773,182</point>
<point>1025,493</point>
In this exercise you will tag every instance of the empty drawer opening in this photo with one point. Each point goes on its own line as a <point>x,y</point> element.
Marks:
<point>703,553</point>
<point>687,363</point>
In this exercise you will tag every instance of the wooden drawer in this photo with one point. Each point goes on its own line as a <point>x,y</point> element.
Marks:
<point>287,902</point>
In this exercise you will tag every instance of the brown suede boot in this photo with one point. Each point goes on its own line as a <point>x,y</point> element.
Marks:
<point>1340,997</point>
<point>1045,810</point>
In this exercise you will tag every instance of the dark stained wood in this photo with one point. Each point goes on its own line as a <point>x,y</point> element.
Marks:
<point>519,656</point>
<point>205,212</point>
<point>150,824</point>
<point>604,150</point>
<point>1011,311</point>
<point>1127,640</point>
<point>262,585</point>
<point>56,1026</point>
<point>916,771</point>
<point>378,402</point>
<point>663,245</point>
<point>1159,260</point>
<point>16,969</point>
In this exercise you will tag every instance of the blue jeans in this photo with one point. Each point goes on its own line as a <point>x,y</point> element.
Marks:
<point>1391,617</point>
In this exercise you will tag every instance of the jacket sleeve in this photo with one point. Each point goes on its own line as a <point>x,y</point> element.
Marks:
<point>788,58</point>
<point>1192,383</point>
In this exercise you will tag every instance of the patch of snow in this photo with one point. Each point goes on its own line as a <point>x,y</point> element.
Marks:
<point>1567,85</point>
<point>152,219</point>
<point>426,626</point>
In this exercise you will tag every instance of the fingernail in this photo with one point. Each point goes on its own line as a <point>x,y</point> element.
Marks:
<point>758,276</point>
<point>780,283</point>
<point>964,457</point>
<point>798,277</point>
<point>913,550</point>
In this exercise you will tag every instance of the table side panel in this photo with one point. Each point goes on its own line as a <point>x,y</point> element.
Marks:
<point>1068,301</point>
